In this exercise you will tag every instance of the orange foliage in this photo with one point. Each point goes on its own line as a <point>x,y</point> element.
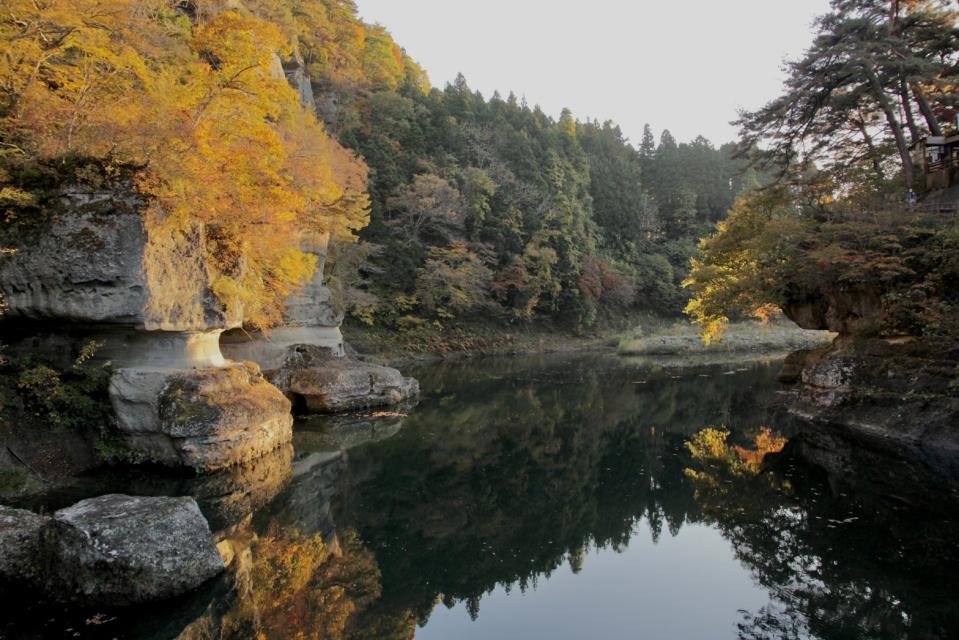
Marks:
<point>216,135</point>
<point>337,46</point>
<point>306,588</point>
<point>765,442</point>
<point>766,313</point>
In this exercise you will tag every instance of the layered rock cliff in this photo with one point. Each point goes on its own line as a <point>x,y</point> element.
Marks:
<point>878,412</point>
<point>102,268</point>
<point>103,263</point>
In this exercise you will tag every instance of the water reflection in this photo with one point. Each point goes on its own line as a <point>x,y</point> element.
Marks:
<point>513,476</point>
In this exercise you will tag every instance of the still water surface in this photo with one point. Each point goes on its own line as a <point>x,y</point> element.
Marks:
<point>548,498</point>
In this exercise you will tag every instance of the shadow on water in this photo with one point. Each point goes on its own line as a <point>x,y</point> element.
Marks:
<point>511,471</point>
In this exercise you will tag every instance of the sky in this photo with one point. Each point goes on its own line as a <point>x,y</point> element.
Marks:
<point>683,65</point>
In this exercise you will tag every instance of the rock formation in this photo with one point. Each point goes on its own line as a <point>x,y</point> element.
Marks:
<point>900,393</point>
<point>112,550</point>
<point>20,546</point>
<point>306,357</point>
<point>881,413</point>
<point>121,550</point>
<point>102,269</point>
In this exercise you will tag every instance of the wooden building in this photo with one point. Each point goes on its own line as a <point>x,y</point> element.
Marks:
<point>939,158</point>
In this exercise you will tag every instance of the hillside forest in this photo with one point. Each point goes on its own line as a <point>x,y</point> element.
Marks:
<point>445,205</point>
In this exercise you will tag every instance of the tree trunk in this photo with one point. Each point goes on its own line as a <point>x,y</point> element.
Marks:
<point>907,110</point>
<point>926,110</point>
<point>886,106</point>
<point>873,154</point>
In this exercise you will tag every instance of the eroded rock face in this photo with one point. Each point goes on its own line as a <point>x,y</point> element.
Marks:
<point>869,406</point>
<point>119,549</point>
<point>204,419</point>
<point>20,536</point>
<point>306,358</point>
<point>100,261</point>
<point>844,310</point>
<point>327,384</point>
<point>310,318</point>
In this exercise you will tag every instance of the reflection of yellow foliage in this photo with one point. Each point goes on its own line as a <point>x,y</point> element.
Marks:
<point>710,447</point>
<point>306,588</point>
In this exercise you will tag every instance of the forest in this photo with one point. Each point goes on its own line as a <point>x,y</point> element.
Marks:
<point>196,196</point>
<point>492,207</point>
<point>445,204</point>
<point>842,219</point>
<point>442,203</point>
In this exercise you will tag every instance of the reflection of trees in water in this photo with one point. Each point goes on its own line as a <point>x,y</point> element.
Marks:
<point>505,473</point>
<point>833,568</point>
<point>499,482</point>
<point>306,584</point>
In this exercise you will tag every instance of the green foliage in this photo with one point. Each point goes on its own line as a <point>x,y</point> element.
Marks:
<point>453,281</point>
<point>65,398</point>
<point>559,212</point>
<point>772,251</point>
<point>878,77</point>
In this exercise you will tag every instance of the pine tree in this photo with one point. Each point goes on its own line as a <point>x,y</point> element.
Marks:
<point>647,148</point>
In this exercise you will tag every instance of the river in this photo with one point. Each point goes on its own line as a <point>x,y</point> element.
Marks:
<point>555,497</point>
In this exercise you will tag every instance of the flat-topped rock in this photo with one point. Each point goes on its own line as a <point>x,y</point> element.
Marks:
<point>119,549</point>
<point>327,384</point>
<point>203,419</point>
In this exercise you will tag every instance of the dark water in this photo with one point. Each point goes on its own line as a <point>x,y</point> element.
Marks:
<point>544,498</point>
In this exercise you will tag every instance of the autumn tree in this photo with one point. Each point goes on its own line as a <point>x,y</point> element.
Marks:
<point>429,209</point>
<point>188,106</point>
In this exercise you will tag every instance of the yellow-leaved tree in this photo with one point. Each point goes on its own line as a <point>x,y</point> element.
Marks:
<point>194,106</point>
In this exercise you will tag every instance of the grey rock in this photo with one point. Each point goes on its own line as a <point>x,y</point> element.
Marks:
<point>203,419</point>
<point>328,384</point>
<point>97,260</point>
<point>20,546</point>
<point>295,71</point>
<point>121,550</point>
<point>829,382</point>
<point>874,409</point>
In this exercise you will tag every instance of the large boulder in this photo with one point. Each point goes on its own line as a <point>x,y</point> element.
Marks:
<point>121,550</point>
<point>20,546</point>
<point>203,419</point>
<point>323,383</point>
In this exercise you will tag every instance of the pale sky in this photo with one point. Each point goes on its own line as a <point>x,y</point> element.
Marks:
<point>683,65</point>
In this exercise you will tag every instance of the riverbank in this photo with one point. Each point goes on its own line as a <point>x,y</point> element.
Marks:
<point>682,338</point>
<point>648,336</point>
<point>468,340</point>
